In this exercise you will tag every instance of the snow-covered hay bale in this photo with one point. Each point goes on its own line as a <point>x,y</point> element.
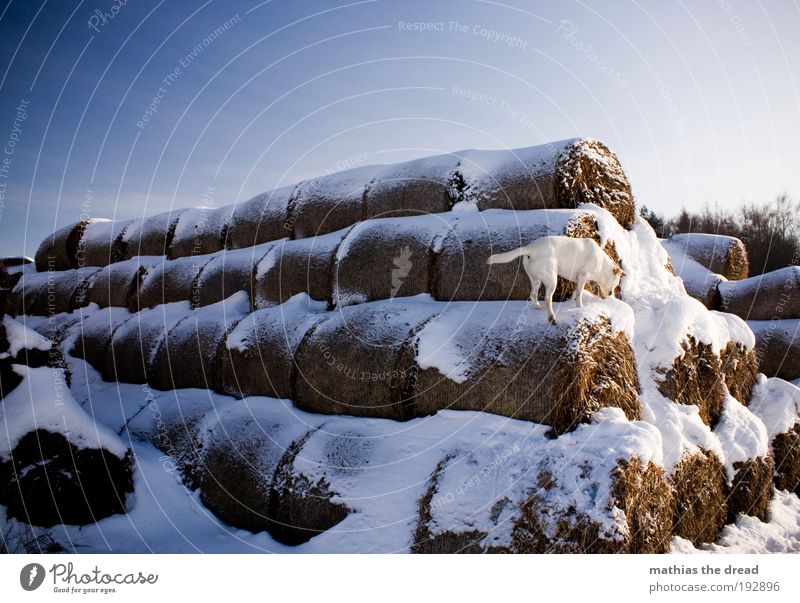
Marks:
<point>740,367</point>
<point>700,282</point>
<point>102,242</point>
<point>227,272</point>
<point>170,281</point>
<point>187,356</point>
<point>89,339</point>
<point>719,254</point>
<point>506,358</point>
<point>48,293</point>
<point>461,271</point>
<point>771,296</point>
<point>777,403</point>
<point>133,344</point>
<point>59,251</point>
<point>330,203</point>
<point>57,466</point>
<point>778,347</point>
<point>151,235</point>
<point>261,219</point>
<point>748,462</point>
<point>298,266</point>
<point>258,358</point>
<point>388,257</point>
<point>699,490</point>
<point>199,231</point>
<point>118,284</point>
<point>360,360</point>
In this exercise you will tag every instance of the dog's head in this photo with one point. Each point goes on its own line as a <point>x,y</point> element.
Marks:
<point>610,285</point>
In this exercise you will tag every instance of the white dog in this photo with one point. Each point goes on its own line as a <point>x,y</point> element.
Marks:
<point>576,260</point>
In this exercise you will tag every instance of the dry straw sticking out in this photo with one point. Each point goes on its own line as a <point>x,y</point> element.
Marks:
<point>699,490</point>
<point>507,359</point>
<point>786,451</point>
<point>718,253</point>
<point>750,492</point>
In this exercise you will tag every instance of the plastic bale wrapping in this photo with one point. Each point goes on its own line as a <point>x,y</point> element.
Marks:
<point>90,338</point>
<point>719,254</point>
<point>261,219</point>
<point>418,187</point>
<point>59,251</point>
<point>330,203</point>
<point>299,266</point>
<point>199,231</point>
<point>778,347</point>
<point>566,174</point>
<point>386,258</point>
<point>461,271</point>
<point>699,490</point>
<point>57,466</point>
<point>771,296</point>
<point>258,358</point>
<point>748,463</point>
<point>102,242</point>
<point>118,284</point>
<point>227,272</point>
<point>187,356</point>
<point>244,451</point>
<point>171,281</point>
<point>130,352</point>
<point>151,235</point>
<point>48,293</point>
<point>700,283</point>
<point>359,361</point>
<point>506,358</point>
<point>777,403</point>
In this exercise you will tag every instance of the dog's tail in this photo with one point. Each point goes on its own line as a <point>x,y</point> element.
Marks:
<point>502,258</point>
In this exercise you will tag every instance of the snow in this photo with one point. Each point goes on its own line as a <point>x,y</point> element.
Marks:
<point>22,338</point>
<point>742,434</point>
<point>55,410</point>
<point>697,279</point>
<point>777,403</point>
<point>787,279</point>
<point>103,231</point>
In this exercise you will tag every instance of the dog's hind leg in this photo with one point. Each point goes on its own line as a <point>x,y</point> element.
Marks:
<point>536,282</point>
<point>549,290</point>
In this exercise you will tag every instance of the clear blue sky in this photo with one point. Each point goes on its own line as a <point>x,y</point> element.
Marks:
<point>701,100</point>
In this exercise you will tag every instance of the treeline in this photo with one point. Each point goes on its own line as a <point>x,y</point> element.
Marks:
<point>770,231</point>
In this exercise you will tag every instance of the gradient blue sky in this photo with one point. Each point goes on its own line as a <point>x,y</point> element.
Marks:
<point>700,99</point>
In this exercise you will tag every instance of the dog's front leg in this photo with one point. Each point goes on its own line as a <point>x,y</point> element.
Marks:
<point>578,295</point>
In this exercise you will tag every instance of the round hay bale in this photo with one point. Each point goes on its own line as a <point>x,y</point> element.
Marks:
<point>49,293</point>
<point>258,358</point>
<point>151,235</point>
<point>719,254</point>
<point>388,257</point>
<point>461,271</point>
<point>118,284</point>
<point>422,186</point>
<point>330,203</point>
<point>102,242</point>
<point>89,339</point>
<point>48,480</point>
<point>700,283</point>
<point>199,231</point>
<point>771,296</point>
<point>507,359</point>
<point>638,490</point>
<point>262,219</point>
<point>699,489</point>
<point>696,378</point>
<point>59,251</point>
<point>227,272</point>
<point>187,356</point>
<point>299,266</point>
<point>751,490</point>
<point>777,347</point>
<point>130,352</point>
<point>740,368</point>
<point>357,362</point>
<point>171,281</point>
<point>786,451</point>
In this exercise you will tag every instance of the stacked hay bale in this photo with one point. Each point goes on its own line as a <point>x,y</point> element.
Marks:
<point>102,242</point>
<point>719,254</point>
<point>151,235</point>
